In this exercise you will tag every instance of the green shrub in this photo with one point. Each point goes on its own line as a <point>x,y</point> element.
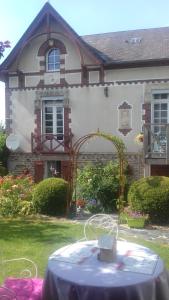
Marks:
<point>100,182</point>
<point>50,196</point>
<point>4,152</point>
<point>150,195</point>
<point>3,171</point>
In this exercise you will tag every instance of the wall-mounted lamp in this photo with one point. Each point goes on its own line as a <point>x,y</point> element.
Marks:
<point>106,91</point>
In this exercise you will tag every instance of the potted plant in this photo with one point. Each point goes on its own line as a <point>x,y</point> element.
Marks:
<point>135,219</point>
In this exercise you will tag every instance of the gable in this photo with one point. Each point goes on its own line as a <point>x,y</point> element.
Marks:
<point>48,22</point>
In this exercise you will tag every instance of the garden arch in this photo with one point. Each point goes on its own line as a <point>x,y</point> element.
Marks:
<point>74,153</point>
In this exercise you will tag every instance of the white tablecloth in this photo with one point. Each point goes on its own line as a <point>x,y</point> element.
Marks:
<point>74,272</point>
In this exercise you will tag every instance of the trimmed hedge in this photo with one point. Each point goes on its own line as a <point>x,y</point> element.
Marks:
<point>50,196</point>
<point>150,195</point>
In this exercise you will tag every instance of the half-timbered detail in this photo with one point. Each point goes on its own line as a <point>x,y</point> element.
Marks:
<point>61,86</point>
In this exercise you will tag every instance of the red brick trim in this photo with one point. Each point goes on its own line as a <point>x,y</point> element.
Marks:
<point>62,71</point>
<point>21,80</point>
<point>56,44</point>
<point>101,75</point>
<point>72,85</point>
<point>62,61</point>
<point>42,63</point>
<point>41,84</point>
<point>67,130</point>
<point>147,116</point>
<point>125,131</point>
<point>84,76</point>
<point>63,82</point>
<point>8,110</point>
<point>125,105</point>
<point>37,130</point>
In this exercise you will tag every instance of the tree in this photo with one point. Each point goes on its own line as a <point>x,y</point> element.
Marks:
<point>3,46</point>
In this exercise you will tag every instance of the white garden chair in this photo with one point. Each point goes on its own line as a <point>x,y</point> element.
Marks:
<point>100,224</point>
<point>23,282</point>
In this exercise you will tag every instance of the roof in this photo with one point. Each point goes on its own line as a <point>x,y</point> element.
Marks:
<point>132,45</point>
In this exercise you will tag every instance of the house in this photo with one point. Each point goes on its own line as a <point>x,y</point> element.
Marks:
<point>61,86</point>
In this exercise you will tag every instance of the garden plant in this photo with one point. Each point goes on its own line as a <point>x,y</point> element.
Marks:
<point>16,195</point>
<point>150,196</point>
<point>99,186</point>
<point>50,196</point>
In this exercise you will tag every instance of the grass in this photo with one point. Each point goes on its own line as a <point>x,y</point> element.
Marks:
<point>37,238</point>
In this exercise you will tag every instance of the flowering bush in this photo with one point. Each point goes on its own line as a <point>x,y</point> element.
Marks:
<point>16,195</point>
<point>80,203</point>
<point>134,214</point>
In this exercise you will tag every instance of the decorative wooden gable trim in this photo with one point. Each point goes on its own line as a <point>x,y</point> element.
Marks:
<point>44,15</point>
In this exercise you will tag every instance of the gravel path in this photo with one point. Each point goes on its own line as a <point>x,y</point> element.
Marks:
<point>158,233</point>
<point>153,233</point>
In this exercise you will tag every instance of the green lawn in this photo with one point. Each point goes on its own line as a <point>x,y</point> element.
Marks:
<point>37,238</point>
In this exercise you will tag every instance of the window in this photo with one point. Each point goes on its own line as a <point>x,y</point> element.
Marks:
<point>160,118</point>
<point>53,60</point>
<point>53,118</point>
<point>53,169</point>
<point>160,110</point>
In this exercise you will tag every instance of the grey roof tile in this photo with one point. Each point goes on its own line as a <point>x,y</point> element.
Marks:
<point>132,45</point>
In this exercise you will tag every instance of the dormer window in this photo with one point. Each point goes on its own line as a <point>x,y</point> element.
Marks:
<point>53,60</point>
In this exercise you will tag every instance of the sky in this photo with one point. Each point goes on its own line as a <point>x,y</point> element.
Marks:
<point>84,16</point>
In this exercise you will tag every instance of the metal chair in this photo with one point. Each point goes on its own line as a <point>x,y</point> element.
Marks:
<point>23,283</point>
<point>100,224</point>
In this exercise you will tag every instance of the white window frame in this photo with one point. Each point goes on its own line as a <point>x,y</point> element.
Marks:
<point>56,61</point>
<point>57,103</point>
<point>159,101</point>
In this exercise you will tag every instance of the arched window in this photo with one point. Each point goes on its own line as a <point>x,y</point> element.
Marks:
<point>53,60</point>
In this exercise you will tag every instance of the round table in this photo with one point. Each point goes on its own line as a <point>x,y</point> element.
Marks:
<point>75,273</point>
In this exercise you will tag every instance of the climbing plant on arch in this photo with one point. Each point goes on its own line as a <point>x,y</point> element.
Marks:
<point>75,151</point>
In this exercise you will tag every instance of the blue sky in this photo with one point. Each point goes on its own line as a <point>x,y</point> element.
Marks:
<point>84,16</point>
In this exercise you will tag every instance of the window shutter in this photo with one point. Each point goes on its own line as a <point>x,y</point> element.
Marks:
<point>38,171</point>
<point>66,170</point>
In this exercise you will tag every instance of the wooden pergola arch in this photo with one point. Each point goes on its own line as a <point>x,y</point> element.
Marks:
<point>75,151</point>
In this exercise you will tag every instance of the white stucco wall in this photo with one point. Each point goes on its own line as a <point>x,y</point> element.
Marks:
<point>91,110</point>
<point>137,73</point>
<point>23,118</point>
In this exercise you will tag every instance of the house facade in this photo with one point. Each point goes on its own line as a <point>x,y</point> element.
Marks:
<point>61,86</point>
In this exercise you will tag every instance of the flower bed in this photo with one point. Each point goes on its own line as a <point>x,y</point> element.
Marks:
<point>16,195</point>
